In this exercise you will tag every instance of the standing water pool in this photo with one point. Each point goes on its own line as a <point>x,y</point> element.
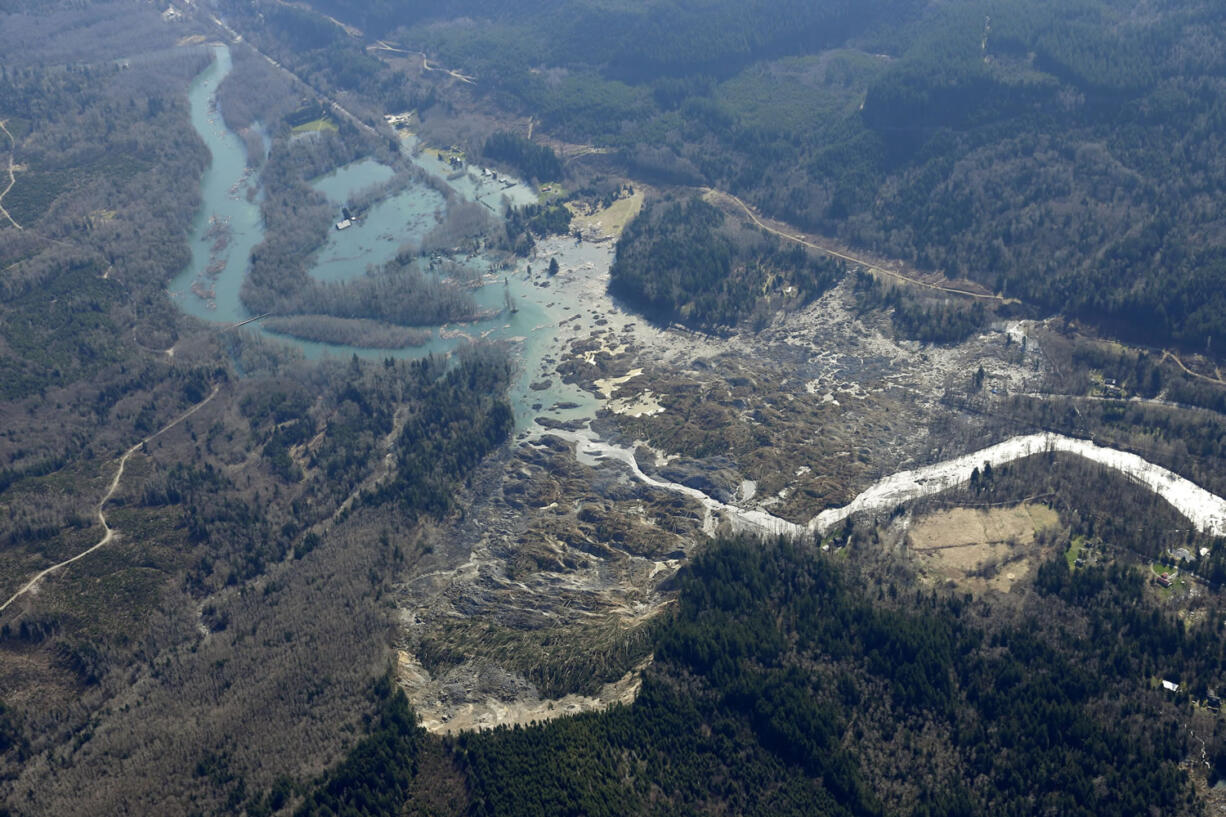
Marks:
<point>228,226</point>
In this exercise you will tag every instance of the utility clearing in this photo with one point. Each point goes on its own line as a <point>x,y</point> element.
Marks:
<point>11,182</point>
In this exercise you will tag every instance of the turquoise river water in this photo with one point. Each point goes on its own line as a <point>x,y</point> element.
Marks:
<point>209,288</point>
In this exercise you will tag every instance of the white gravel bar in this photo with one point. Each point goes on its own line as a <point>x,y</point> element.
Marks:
<point>1206,511</point>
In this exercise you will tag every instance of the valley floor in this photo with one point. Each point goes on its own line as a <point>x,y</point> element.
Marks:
<point>573,537</point>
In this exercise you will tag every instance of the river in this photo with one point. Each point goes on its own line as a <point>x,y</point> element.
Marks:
<point>548,311</point>
<point>1206,511</point>
<point>209,287</point>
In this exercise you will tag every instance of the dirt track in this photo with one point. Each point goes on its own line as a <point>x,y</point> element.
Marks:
<point>803,240</point>
<point>1166,353</point>
<point>383,45</point>
<point>109,534</point>
<point>12,178</point>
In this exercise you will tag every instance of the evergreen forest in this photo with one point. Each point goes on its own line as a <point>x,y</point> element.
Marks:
<point>486,523</point>
<point>788,682</point>
<point>1068,154</point>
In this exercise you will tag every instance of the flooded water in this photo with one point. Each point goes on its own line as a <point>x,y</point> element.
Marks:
<point>229,225</point>
<point>487,187</point>
<point>397,221</point>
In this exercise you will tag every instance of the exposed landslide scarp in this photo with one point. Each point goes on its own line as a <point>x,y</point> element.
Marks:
<point>563,564</point>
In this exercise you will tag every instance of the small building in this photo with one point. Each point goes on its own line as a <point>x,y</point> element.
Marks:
<point>399,120</point>
<point>1165,580</point>
<point>1170,686</point>
<point>344,224</point>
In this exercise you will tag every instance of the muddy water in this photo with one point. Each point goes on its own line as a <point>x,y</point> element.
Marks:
<point>548,311</point>
<point>591,451</point>
<point>1206,511</point>
<point>209,287</point>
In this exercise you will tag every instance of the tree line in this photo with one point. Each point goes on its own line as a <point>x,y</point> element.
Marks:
<point>787,682</point>
<point>532,161</point>
<point>1058,154</point>
<point>683,261</point>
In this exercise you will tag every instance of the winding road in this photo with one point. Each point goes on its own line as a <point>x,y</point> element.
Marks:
<point>426,66</point>
<point>108,532</point>
<point>383,45</point>
<point>1167,353</point>
<point>12,178</point>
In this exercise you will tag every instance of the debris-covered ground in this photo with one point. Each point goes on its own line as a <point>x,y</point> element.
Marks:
<point>544,588</point>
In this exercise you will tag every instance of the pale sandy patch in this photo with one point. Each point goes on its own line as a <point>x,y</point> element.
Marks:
<point>643,405</point>
<point>490,712</point>
<point>607,385</point>
<point>607,221</point>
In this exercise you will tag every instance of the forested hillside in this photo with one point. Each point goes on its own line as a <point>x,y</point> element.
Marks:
<point>786,685</point>
<point>684,261</point>
<point>790,683</point>
<point>1064,153</point>
<point>233,505</point>
<point>228,564</point>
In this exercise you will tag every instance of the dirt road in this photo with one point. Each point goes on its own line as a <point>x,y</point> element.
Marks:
<point>425,64</point>
<point>384,45</point>
<point>333,104</point>
<point>352,31</point>
<point>381,473</point>
<point>1167,353</point>
<point>108,533</point>
<point>12,178</point>
<point>719,195</point>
